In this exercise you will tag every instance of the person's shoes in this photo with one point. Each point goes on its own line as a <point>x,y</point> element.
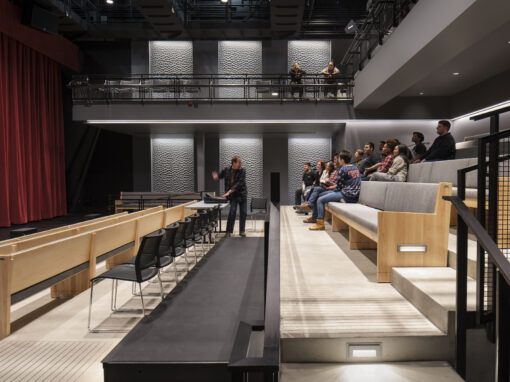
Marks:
<point>243,234</point>
<point>319,226</point>
<point>296,206</point>
<point>342,200</point>
<point>228,234</point>
<point>305,207</point>
<point>311,219</point>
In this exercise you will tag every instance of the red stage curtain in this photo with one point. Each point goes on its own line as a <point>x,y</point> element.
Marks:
<point>32,162</point>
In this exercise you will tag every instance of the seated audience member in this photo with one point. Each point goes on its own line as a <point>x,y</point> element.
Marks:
<point>327,183</point>
<point>321,167</point>
<point>296,76</point>
<point>419,148</point>
<point>306,183</point>
<point>330,74</point>
<point>443,147</point>
<point>358,157</point>
<point>347,188</point>
<point>383,166</point>
<point>381,154</point>
<point>371,157</point>
<point>398,169</point>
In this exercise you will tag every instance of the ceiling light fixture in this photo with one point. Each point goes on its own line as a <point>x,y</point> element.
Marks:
<point>109,2</point>
<point>224,1</point>
<point>456,73</point>
<point>422,93</point>
<point>274,94</point>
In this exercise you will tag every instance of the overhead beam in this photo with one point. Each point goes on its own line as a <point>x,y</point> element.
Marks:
<point>286,17</point>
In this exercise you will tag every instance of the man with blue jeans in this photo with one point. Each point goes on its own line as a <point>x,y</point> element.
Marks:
<point>236,193</point>
<point>347,190</point>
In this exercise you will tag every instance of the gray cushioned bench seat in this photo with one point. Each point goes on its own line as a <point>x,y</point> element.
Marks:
<point>363,215</point>
<point>445,171</point>
<point>387,196</point>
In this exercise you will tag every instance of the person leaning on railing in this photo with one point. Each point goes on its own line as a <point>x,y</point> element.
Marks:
<point>296,76</point>
<point>330,74</point>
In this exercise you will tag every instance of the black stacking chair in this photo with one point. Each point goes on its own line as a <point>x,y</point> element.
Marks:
<point>258,208</point>
<point>144,269</point>
<point>190,234</point>
<point>204,227</point>
<point>179,245</point>
<point>165,247</point>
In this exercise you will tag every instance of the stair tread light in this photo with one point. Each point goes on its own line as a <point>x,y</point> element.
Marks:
<point>363,351</point>
<point>274,94</point>
<point>412,248</point>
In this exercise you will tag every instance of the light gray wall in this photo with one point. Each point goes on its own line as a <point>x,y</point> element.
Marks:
<point>312,55</point>
<point>173,163</point>
<point>300,150</point>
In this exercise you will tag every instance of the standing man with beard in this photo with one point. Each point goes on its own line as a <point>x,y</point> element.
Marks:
<point>236,192</point>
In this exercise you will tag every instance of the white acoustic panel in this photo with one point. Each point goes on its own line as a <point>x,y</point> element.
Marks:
<point>173,163</point>
<point>303,150</point>
<point>238,57</point>
<point>251,152</point>
<point>171,57</point>
<point>312,56</point>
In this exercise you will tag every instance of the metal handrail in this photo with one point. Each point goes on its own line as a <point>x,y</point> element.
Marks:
<point>482,236</point>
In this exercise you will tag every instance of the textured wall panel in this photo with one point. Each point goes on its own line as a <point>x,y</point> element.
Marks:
<point>250,150</point>
<point>173,163</point>
<point>238,57</point>
<point>171,57</point>
<point>313,56</point>
<point>305,150</point>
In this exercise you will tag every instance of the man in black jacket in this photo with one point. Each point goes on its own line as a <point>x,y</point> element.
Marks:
<point>443,147</point>
<point>236,193</point>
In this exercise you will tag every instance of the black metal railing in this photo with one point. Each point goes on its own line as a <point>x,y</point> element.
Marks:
<point>383,16</point>
<point>491,227</point>
<point>268,365</point>
<point>207,87</point>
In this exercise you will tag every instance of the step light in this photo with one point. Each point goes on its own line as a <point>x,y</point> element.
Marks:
<point>274,94</point>
<point>412,248</point>
<point>362,352</point>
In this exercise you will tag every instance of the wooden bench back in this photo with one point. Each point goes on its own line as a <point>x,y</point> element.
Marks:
<point>73,230</point>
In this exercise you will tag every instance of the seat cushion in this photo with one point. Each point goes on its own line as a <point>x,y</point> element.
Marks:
<point>363,215</point>
<point>411,197</point>
<point>373,194</point>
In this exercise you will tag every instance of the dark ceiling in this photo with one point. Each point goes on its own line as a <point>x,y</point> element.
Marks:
<point>89,20</point>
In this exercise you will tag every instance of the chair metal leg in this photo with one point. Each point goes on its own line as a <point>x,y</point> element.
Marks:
<point>90,306</point>
<point>141,297</point>
<point>161,287</point>
<point>175,271</point>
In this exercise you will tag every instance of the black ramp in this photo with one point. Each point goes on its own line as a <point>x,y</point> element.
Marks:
<point>189,336</point>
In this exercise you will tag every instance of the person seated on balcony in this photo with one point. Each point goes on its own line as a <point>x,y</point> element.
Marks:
<point>347,188</point>
<point>443,147</point>
<point>358,157</point>
<point>419,148</point>
<point>327,182</point>
<point>306,184</point>
<point>330,74</point>
<point>383,166</point>
<point>296,76</point>
<point>398,169</point>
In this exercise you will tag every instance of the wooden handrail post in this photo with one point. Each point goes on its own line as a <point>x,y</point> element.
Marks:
<point>5,295</point>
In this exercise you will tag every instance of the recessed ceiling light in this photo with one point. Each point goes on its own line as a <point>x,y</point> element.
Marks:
<point>456,74</point>
<point>224,1</point>
<point>422,93</point>
<point>109,2</point>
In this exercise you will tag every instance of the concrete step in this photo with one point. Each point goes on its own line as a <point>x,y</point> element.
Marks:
<point>452,255</point>
<point>432,291</point>
<point>375,372</point>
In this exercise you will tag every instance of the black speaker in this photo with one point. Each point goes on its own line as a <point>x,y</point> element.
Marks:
<point>39,18</point>
<point>275,188</point>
